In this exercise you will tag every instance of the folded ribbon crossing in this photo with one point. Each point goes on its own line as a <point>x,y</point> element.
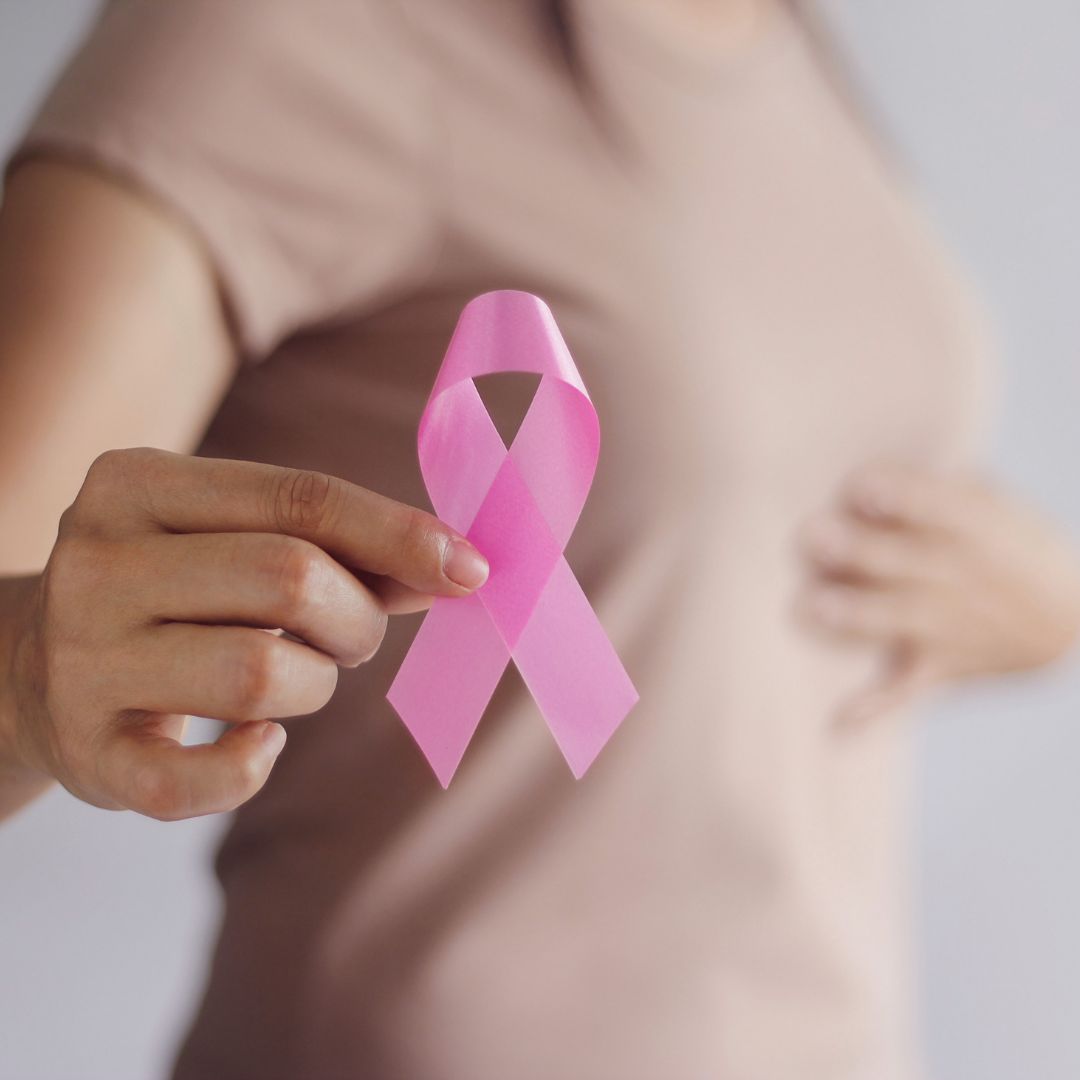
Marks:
<point>519,507</point>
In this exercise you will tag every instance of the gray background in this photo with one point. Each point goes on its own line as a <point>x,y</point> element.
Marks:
<point>105,918</point>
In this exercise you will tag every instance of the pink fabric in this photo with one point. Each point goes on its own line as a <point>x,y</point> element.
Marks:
<point>498,497</point>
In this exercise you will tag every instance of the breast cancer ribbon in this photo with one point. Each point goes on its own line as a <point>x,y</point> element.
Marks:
<point>518,506</point>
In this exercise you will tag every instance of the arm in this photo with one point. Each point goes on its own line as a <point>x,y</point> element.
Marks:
<point>165,567</point>
<point>111,334</point>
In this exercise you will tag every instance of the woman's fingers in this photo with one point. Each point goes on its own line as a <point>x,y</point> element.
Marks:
<point>262,580</point>
<point>946,564</point>
<point>144,771</point>
<point>223,672</point>
<point>396,598</point>
<point>167,575</point>
<point>870,614</point>
<point>846,548</point>
<point>914,498</point>
<point>359,528</point>
<point>237,674</point>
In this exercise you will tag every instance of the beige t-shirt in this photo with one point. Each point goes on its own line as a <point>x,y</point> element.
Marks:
<point>757,310</point>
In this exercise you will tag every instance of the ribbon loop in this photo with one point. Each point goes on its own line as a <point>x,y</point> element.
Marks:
<point>519,507</point>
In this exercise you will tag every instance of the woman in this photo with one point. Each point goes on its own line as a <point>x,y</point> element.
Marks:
<point>246,230</point>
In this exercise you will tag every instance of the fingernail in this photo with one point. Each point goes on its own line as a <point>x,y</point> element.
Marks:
<point>273,738</point>
<point>464,565</point>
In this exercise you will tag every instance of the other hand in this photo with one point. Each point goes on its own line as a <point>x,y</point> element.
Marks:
<point>955,577</point>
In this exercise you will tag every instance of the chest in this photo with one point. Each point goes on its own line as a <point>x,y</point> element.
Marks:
<point>750,293</point>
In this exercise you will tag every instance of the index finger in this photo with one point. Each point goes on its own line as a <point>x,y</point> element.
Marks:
<point>912,497</point>
<point>360,528</point>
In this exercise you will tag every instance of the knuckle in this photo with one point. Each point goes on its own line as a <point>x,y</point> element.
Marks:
<point>113,475</point>
<point>297,570</point>
<point>254,676</point>
<point>99,490</point>
<point>70,521</point>
<point>305,500</point>
<point>65,567</point>
<point>419,539</point>
<point>106,468</point>
<point>113,466</point>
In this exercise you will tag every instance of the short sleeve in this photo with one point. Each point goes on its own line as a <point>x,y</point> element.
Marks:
<point>294,138</point>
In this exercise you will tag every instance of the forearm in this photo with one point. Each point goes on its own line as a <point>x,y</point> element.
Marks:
<point>20,782</point>
<point>111,335</point>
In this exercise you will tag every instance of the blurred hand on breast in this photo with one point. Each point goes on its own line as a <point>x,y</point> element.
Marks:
<point>957,578</point>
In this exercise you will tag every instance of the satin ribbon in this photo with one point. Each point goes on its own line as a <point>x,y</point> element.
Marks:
<point>518,506</point>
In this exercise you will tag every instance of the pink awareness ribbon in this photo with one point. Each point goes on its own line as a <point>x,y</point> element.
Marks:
<point>518,506</point>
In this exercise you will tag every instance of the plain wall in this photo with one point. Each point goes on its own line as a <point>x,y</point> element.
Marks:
<point>105,918</point>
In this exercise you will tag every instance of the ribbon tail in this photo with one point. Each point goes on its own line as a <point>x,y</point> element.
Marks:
<point>447,678</point>
<point>572,670</point>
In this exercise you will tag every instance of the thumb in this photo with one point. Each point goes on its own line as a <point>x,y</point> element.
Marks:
<point>908,672</point>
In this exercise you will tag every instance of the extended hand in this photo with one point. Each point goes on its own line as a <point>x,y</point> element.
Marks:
<point>166,574</point>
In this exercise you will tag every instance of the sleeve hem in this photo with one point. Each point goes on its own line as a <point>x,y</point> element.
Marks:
<point>128,154</point>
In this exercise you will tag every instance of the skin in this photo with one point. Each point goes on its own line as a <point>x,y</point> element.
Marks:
<point>166,571</point>
<point>954,577</point>
<point>726,26</point>
<point>167,577</point>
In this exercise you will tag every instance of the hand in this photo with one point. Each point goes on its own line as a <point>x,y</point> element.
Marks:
<point>956,578</point>
<point>155,603</point>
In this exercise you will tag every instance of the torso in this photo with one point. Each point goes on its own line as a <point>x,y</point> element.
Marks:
<point>757,311</point>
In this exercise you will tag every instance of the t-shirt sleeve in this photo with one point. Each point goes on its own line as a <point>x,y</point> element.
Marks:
<point>294,138</point>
